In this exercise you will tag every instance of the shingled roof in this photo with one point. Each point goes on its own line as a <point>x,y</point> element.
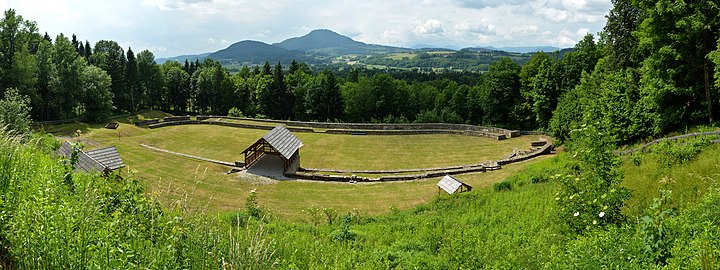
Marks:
<point>108,156</point>
<point>451,184</point>
<point>87,164</point>
<point>283,141</point>
<point>100,160</point>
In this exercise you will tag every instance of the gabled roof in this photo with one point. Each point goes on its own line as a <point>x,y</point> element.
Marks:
<point>65,150</point>
<point>100,160</point>
<point>108,156</point>
<point>87,164</point>
<point>283,141</point>
<point>451,184</point>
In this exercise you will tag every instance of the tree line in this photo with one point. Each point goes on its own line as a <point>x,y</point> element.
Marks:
<point>651,70</point>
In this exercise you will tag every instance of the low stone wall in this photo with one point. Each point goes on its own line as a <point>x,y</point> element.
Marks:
<point>176,118</point>
<point>363,126</point>
<point>533,132</point>
<point>145,123</point>
<point>351,129</point>
<point>525,155</point>
<point>407,177</point>
<point>518,156</point>
<point>220,123</point>
<point>416,132</point>
<point>674,138</point>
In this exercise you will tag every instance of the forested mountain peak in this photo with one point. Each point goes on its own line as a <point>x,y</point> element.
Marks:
<point>253,51</point>
<point>318,39</point>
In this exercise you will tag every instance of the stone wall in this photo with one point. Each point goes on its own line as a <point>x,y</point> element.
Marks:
<point>416,132</point>
<point>689,135</point>
<point>362,126</point>
<point>350,129</point>
<point>517,156</point>
<point>219,123</point>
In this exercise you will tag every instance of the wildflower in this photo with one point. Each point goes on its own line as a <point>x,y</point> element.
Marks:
<point>594,222</point>
<point>576,214</point>
<point>602,214</point>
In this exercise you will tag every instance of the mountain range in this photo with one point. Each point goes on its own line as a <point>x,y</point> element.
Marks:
<point>317,47</point>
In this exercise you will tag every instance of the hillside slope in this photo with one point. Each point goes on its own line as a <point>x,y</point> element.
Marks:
<point>52,218</point>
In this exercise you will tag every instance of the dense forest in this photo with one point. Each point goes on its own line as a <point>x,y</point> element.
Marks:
<point>651,70</point>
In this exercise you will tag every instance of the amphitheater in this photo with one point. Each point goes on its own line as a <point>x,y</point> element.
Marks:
<point>287,166</point>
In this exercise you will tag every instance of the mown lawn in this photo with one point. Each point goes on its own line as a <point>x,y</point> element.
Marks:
<point>178,180</point>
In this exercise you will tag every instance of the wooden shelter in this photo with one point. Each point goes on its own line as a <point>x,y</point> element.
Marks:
<point>102,160</point>
<point>279,141</point>
<point>451,185</point>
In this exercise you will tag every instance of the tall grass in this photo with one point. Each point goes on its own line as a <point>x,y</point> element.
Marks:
<point>50,220</point>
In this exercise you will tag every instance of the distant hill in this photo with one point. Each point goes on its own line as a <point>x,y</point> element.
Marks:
<point>254,52</point>
<point>190,58</point>
<point>319,39</point>
<point>327,42</point>
<point>324,47</point>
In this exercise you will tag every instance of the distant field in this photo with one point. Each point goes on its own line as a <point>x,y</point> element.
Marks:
<point>203,185</point>
<point>400,56</point>
<point>441,52</point>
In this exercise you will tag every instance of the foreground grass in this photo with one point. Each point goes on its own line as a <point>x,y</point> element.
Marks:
<point>689,182</point>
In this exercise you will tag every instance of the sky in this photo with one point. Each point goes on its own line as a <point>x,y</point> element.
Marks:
<point>178,27</point>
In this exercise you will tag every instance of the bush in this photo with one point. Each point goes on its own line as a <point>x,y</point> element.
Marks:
<point>675,153</point>
<point>15,112</point>
<point>537,178</point>
<point>590,195</point>
<point>503,186</point>
<point>235,112</point>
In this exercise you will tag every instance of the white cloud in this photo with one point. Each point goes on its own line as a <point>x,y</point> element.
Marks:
<point>174,4</point>
<point>573,11</point>
<point>430,27</point>
<point>481,27</point>
<point>187,26</point>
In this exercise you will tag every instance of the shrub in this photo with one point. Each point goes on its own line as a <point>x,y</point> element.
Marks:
<point>590,195</point>
<point>15,112</point>
<point>537,178</point>
<point>503,186</point>
<point>235,112</point>
<point>654,229</point>
<point>675,153</point>
<point>251,205</point>
<point>343,234</point>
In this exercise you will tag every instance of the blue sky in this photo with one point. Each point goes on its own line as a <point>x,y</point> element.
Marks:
<point>175,27</point>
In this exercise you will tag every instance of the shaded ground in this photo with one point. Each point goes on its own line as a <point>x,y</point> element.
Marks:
<point>269,166</point>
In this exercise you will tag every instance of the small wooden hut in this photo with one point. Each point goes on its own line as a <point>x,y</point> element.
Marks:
<point>279,141</point>
<point>451,185</point>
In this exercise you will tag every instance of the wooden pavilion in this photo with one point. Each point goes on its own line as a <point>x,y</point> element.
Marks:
<point>451,185</point>
<point>279,141</point>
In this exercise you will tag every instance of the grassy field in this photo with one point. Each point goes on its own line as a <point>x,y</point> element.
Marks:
<point>179,180</point>
<point>401,56</point>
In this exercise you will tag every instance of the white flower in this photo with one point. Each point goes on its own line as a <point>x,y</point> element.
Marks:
<point>576,214</point>
<point>602,214</point>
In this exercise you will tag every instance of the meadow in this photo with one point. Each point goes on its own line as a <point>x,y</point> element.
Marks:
<point>202,185</point>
